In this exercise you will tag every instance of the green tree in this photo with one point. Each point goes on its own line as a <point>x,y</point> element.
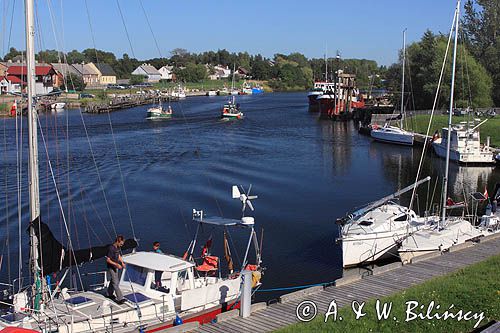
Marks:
<point>482,29</point>
<point>73,82</point>
<point>136,79</point>
<point>13,52</point>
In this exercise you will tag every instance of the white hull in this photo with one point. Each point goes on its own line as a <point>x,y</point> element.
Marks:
<point>393,135</point>
<point>58,106</point>
<point>468,156</point>
<point>456,232</point>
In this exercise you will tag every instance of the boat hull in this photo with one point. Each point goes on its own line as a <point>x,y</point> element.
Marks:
<point>390,137</point>
<point>469,158</point>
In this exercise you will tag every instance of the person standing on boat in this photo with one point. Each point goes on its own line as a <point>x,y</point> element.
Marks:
<point>156,249</point>
<point>114,263</point>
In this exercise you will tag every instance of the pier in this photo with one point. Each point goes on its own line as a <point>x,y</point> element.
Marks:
<point>379,282</point>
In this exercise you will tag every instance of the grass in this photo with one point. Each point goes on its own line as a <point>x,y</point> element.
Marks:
<point>419,124</point>
<point>475,288</point>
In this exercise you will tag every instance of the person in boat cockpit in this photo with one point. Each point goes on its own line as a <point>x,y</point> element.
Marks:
<point>114,263</point>
<point>156,249</point>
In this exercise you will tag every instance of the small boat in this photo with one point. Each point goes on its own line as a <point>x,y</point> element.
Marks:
<point>231,110</point>
<point>392,134</point>
<point>158,112</point>
<point>58,106</point>
<point>246,89</point>
<point>257,90</point>
<point>223,92</point>
<point>375,231</point>
<point>465,145</point>
<point>211,93</point>
<point>179,92</point>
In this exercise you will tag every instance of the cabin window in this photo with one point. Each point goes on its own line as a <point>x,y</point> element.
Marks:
<point>136,274</point>
<point>365,223</point>
<point>401,218</point>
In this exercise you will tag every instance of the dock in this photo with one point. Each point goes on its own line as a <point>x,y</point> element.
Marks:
<point>380,282</point>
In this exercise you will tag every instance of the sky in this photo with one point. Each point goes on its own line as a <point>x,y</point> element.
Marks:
<point>369,29</point>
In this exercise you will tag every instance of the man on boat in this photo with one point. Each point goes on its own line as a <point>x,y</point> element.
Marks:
<point>156,249</point>
<point>114,263</point>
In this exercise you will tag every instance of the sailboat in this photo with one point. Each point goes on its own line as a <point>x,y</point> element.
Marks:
<point>187,290</point>
<point>375,231</point>
<point>231,110</point>
<point>393,134</point>
<point>158,112</point>
<point>449,231</point>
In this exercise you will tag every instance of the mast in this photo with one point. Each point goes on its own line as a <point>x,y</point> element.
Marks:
<point>34,194</point>
<point>232,82</point>
<point>403,79</point>
<point>452,95</point>
<point>326,63</point>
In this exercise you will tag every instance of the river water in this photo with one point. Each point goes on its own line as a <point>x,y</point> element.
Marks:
<point>307,172</point>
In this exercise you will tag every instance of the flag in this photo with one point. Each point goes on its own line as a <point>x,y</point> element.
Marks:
<point>13,109</point>
<point>485,194</point>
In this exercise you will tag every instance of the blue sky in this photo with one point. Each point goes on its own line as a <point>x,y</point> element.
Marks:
<point>370,29</point>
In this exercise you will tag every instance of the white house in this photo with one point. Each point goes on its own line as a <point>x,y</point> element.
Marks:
<point>220,72</point>
<point>151,73</point>
<point>167,73</point>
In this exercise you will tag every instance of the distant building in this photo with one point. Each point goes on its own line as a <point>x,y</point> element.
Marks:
<point>243,73</point>
<point>220,72</point>
<point>89,73</point>
<point>44,83</point>
<point>151,73</point>
<point>62,74</point>
<point>107,74</point>
<point>167,73</point>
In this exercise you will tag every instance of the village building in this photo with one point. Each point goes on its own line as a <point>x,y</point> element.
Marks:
<point>44,80</point>
<point>219,72</point>
<point>167,73</point>
<point>62,74</point>
<point>149,72</point>
<point>107,74</point>
<point>89,73</point>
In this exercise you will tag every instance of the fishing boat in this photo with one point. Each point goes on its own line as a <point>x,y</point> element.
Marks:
<point>465,144</point>
<point>341,101</point>
<point>375,231</point>
<point>449,230</point>
<point>393,134</point>
<point>159,289</point>
<point>179,92</point>
<point>320,87</point>
<point>158,112</point>
<point>231,109</point>
<point>246,89</point>
<point>257,90</point>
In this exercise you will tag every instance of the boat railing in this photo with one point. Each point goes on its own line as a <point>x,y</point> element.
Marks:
<point>98,285</point>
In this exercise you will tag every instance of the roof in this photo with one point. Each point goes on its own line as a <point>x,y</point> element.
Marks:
<point>15,79</point>
<point>21,70</point>
<point>65,68</point>
<point>157,261</point>
<point>85,69</point>
<point>16,330</point>
<point>105,69</point>
<point>150,70</point>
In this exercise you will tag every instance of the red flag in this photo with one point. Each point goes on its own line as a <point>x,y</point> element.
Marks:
<point>486,196</point>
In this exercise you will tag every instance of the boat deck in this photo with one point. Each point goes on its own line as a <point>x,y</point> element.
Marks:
<point>382,282</point>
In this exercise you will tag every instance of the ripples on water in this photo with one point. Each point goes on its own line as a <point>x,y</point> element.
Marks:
<point>306,172</point>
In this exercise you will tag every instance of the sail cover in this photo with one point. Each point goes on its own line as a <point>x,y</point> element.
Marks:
<point>53,256</point>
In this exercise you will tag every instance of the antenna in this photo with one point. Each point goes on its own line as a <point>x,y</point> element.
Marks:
<point>245,197</point>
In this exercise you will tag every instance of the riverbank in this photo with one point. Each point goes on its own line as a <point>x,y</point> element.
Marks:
<point>466,277</point>
<point>419,123</point>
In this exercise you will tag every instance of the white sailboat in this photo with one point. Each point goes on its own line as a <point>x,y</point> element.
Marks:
<point>449,231</point>
<point>393,134</point>
<point>187,290</point>
<point>374,232</point>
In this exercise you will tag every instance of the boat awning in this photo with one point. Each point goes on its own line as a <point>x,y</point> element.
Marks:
<point>216,220</point>
<point>157,261</point>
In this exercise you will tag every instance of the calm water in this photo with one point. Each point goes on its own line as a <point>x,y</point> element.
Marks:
<point>306,172</point>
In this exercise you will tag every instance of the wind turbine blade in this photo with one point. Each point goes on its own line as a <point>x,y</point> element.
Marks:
<point>244,206</point>
<point>236,192</point>
<point>249,189</point>
<point>253,197</point>
<point>250,205</point>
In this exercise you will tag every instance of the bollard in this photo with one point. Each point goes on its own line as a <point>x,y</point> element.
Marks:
<point>246,294</point>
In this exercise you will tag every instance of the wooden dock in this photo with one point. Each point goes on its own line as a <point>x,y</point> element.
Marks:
<point>383,281</point>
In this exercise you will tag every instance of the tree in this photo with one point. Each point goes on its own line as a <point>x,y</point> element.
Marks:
<point>137,79</point>
<point>482,28</point>
<point>12,54</point>
<point>50,56</point>
<point>191,73</point>
<point>73,82</point>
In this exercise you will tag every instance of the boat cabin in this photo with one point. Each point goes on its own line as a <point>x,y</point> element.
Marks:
<point>462,137</point>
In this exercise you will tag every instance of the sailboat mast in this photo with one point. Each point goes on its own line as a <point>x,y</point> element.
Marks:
<point>452,95</point>
<point>326,64</point>
<point>403,79</point>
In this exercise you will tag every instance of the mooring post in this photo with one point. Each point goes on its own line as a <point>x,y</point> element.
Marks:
<point>246,294</point>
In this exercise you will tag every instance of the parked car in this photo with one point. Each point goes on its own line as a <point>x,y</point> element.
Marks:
<point>85,95</point>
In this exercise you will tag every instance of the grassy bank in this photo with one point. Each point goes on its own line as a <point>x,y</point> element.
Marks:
<point>475,288</point>
<point>419,124</point>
